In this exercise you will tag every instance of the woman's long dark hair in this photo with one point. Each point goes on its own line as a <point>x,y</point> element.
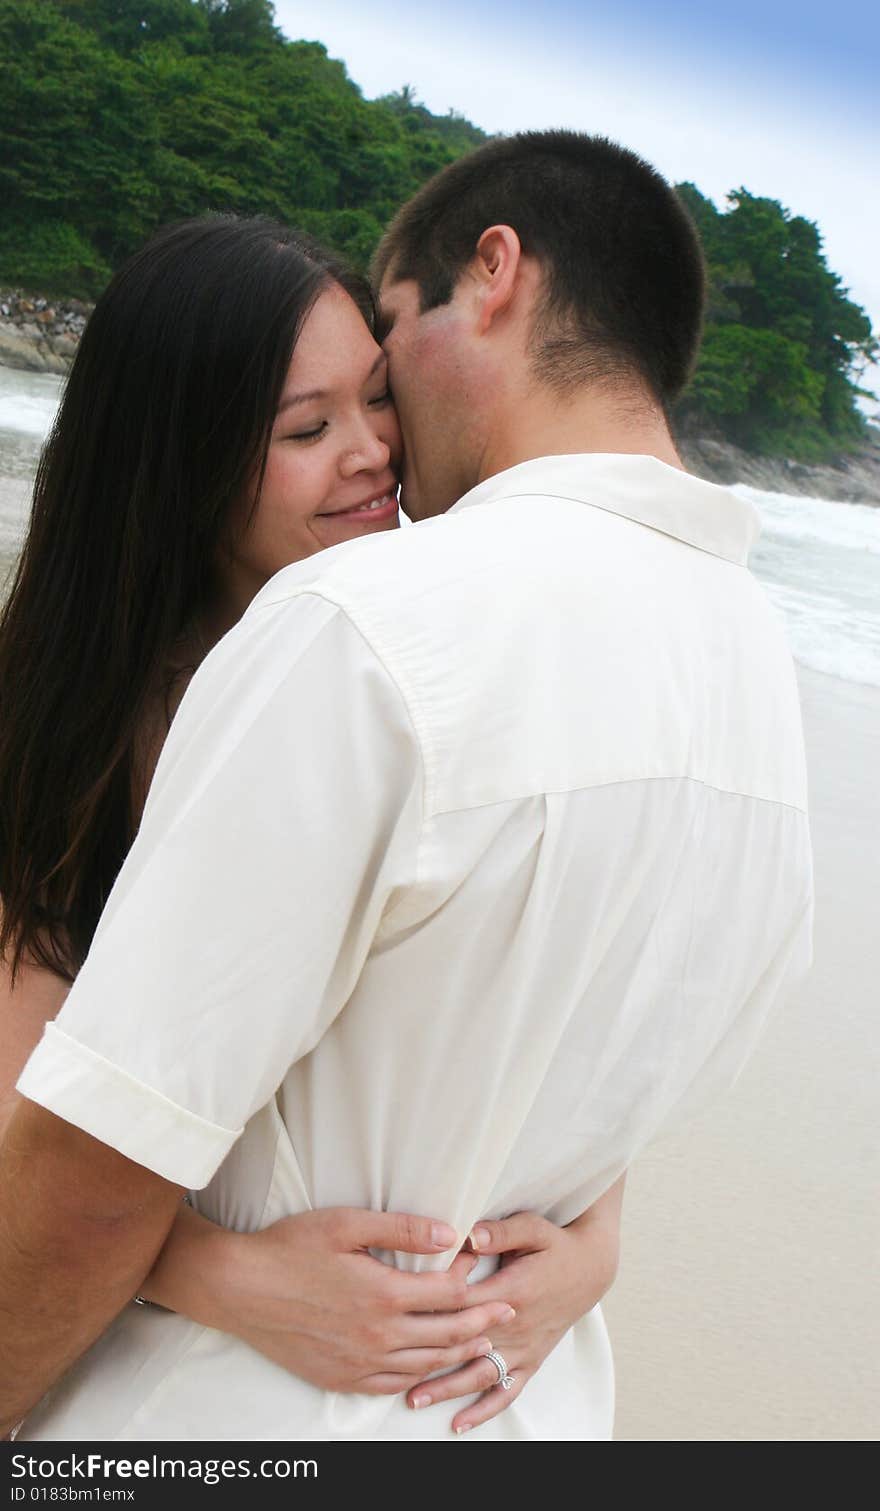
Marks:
<point>164,423</point>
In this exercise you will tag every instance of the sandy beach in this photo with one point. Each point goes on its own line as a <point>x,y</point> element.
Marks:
<point>746,1306</point>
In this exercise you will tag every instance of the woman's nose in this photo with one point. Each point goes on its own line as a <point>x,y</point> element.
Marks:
<point>369,453</point>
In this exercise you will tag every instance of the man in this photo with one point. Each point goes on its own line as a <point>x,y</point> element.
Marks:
<point>501,856</point>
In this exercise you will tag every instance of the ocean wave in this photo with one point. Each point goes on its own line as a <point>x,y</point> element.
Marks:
<point>820,564</point>
<point>800,517</point>
<point>27,414</point>
<point>828,634</point>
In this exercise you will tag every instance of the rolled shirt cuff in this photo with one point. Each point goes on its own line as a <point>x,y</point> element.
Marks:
<point>77,1084</point>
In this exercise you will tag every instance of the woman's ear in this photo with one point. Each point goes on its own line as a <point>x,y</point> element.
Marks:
<point>495,268</point>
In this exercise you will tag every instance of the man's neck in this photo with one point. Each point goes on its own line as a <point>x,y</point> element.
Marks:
<point>630,424</point>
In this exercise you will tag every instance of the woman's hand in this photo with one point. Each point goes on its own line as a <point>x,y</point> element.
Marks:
<point>551,1276</point>
<point>306,1293</point>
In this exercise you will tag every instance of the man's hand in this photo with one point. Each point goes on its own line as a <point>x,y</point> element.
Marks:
<point>80,1226</point>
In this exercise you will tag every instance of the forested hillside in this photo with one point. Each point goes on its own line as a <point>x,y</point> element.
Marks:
<point>784,344</point>
<point>119,115</point>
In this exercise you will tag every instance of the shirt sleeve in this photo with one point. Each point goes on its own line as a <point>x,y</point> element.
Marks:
<point>283,817</point>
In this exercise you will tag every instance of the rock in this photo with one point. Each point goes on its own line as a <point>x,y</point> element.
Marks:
<point>49,329</point>
<point>64,345</point>
<point>54,362</point>
<point>853,477</point>
<point>17,350</point>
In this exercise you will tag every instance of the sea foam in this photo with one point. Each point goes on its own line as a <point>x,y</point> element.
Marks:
<point>28,414</point>
<point>820,563</point>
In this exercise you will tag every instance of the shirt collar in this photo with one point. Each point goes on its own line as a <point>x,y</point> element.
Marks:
<point>641,488</point>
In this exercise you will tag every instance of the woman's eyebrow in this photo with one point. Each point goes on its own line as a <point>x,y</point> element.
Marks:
<point>322,393</point>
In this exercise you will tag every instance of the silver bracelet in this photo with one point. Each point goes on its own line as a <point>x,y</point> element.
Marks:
<point>142,1300</point>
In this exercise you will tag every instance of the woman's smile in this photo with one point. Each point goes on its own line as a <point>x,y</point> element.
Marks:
<point>333,464</point>
<point>377,509</point>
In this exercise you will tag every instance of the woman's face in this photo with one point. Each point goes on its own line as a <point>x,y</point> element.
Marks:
<point>334,455</point>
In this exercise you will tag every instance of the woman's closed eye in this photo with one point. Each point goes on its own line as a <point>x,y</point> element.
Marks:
<point>308,435</point>
<point>379,401</point>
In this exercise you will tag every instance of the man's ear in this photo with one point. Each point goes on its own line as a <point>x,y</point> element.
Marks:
<point>495,267</point>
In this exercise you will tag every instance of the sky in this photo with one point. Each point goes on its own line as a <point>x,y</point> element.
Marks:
<point>780,97</point>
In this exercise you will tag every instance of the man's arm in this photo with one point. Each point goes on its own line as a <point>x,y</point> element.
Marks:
<point>284,816</point>
<point>71,1209</point>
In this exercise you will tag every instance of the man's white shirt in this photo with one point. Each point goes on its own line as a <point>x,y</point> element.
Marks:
<point>476,851</point>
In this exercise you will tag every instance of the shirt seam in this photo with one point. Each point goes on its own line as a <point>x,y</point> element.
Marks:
<point>414,709</point>
<point>537,792</point>
<point>412,706</point>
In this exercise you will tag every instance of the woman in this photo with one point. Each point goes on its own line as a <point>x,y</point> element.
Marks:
<point>227,413</point>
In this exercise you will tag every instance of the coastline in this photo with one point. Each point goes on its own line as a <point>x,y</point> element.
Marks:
<point>41,335</point>
<point>853,478</point>
<point>38,334</point>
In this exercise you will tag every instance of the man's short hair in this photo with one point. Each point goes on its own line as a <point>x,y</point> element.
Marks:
<point>625,281</point>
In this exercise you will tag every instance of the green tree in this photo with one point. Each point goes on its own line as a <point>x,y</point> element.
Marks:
<point>118,115</point>
<point>77,149</point>
<point>127,25</point>
<point>241,26</point>
<point>783,338</point>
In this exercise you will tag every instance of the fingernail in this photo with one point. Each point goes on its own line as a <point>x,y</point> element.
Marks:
<point>421,1401</point>
<point>482,1348</point>
<point>466,1427</point>
<point>442,1236</point>
<point>509,1315</point>
<point>479,1237</point>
